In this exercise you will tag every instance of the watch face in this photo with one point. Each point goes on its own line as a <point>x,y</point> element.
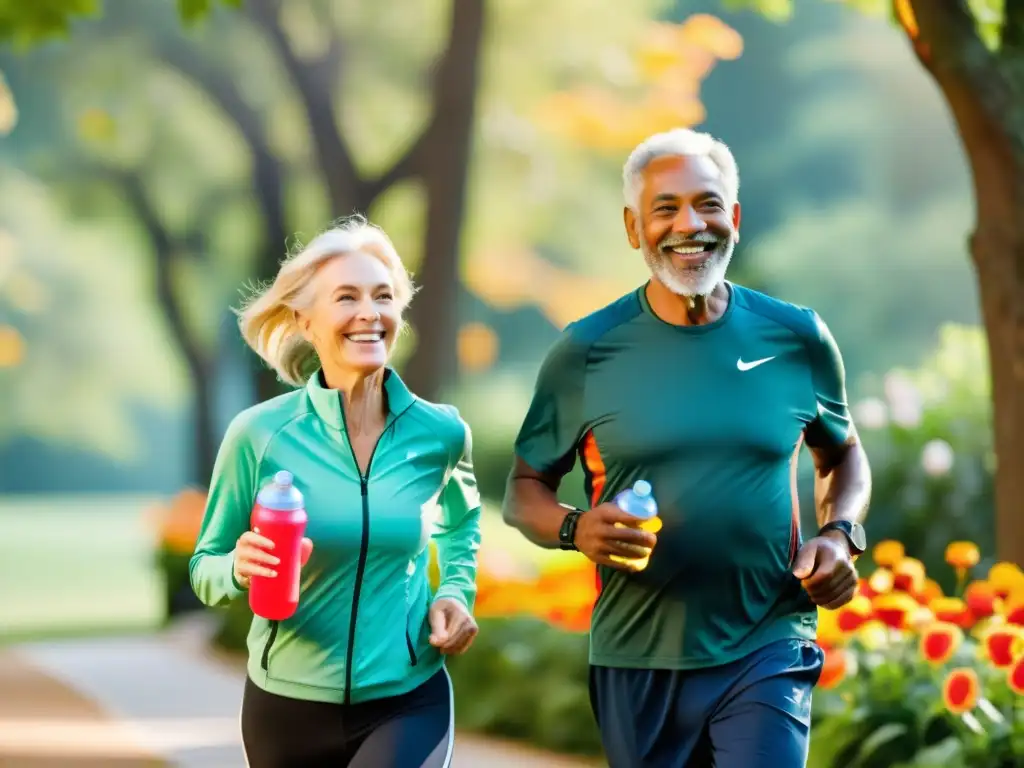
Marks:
<point>857,535</point>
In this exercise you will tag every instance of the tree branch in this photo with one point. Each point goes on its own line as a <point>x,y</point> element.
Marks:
<point>405,167</point>
<point>165,250</point>
<point>315,83</point>
<point>267,177</point>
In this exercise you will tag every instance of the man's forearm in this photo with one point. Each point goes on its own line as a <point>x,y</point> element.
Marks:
<point>533,508</point>
<point>845,492</point>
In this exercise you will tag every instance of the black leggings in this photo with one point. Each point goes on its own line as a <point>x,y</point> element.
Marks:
<point>413,730</point>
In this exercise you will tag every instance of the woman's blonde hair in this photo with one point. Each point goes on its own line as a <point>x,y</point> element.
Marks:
<point>268,319</point>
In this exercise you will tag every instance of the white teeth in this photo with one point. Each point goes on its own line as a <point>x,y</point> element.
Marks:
<point>364,336</point>
<point>689,251</point>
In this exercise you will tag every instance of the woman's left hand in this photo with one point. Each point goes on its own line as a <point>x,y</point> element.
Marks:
<point>452,629</point>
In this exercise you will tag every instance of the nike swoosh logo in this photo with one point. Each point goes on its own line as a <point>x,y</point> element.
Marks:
<point>747,366</point>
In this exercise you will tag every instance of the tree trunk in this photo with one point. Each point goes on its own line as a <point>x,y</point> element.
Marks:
<point>204,444</point>
<point>982,89</point>
<point>998,251</point>
<point>445,169</point>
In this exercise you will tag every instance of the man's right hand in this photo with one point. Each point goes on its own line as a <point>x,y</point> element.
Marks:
<point>598,537</point>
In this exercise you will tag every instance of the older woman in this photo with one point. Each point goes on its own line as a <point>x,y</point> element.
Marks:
<point>356,677</point>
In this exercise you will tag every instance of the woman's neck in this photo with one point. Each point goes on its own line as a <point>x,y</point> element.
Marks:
<point>362,398</point>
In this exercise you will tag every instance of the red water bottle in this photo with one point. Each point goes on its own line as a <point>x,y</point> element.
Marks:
<point>280,516</point>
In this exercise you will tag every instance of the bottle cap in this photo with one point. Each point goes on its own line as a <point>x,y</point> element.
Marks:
<point>280,493</point>
<point>642,488</point>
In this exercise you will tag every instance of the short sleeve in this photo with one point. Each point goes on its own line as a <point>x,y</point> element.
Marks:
<point>833,424</point>
<point>554,422</point>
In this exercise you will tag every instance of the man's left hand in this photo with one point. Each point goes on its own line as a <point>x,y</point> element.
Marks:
<point>826,571</point>
<point>452,628</point>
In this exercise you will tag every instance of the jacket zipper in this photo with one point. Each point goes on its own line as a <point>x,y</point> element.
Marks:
<point>271,637</point>
<point>364,546</point>
<point>408,643</point>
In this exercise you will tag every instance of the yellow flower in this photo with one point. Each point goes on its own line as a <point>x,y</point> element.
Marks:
<point>873,635</point>
<point>1005,578</point>
<point>887,553</point>
<point>962,554</point>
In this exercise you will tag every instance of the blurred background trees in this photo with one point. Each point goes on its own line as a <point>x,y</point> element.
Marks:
<point>488,140</point>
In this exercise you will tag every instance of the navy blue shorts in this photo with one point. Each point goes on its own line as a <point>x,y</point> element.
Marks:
<point>751,713</point>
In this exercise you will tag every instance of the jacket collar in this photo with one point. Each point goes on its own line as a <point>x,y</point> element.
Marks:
<point>327,402</point>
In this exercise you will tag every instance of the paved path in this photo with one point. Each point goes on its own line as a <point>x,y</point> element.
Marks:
<point>150,701</point>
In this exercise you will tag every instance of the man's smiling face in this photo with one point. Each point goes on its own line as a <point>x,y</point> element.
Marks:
<point>685,227</point>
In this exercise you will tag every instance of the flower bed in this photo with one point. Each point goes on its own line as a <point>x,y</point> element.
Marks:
<point>914,677</point>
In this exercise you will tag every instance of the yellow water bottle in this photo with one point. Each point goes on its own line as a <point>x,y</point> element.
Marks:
<point>639,502</point>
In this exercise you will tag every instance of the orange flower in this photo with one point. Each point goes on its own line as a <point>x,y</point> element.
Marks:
<point>930,591</point>
<point>887,553</point>
<point>1016,676</point>
<point>834,669</point>
<point>1005,578</point>
<point>908,575</point>
<point>880,582</point>
<point>854,614</point>
<point>961,690</point>
<point>952,609</point>
<point>895,609</point>
<point>939,641</point>
<point>1003,645</point>
<point>980,599</point>
<point>962,554</point>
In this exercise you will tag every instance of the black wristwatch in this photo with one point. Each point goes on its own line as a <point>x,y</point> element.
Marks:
<point>567,533</point>
<point>854,533</point>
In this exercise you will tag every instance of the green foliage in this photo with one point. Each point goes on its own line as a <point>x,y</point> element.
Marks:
<point>527,681</point>
<point>91,347</point>
<point>27,22</point>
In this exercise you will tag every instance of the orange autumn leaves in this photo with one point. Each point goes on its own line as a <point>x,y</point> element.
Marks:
<point>898,601</point>
<point>658,89</point>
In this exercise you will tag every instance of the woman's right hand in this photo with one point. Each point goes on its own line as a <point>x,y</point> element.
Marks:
<point>253,558</point>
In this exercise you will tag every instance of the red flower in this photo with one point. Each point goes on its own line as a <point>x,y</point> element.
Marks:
<point>908,575</point>
<point>952,609</point>
<point>895,609</point>
<point>939,642</point>
<point>980,599</point>
<point>1016,676</point>
<point>961,690</point>
<point>1003,645</point>
<point>855,613</point>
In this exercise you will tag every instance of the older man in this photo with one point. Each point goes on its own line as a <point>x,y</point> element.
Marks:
<point>706,390</point>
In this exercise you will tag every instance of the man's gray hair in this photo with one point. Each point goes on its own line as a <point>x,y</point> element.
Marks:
<point>679,142</point>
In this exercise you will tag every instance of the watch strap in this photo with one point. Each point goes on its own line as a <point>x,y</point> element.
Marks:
<point>567,531</point>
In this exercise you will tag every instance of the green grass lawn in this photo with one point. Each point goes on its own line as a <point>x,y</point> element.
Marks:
<point>84,564</point>
<point>76,564</point>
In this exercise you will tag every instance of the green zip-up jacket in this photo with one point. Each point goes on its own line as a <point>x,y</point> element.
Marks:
<point>361,629</point>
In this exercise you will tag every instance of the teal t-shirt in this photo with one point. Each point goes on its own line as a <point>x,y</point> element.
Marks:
<point>713,417</point>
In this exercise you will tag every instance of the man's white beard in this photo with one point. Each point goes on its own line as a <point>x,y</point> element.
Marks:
<point>690,282</point>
